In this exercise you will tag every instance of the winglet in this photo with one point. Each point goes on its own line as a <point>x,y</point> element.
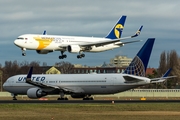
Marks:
<point>28,78</point>
<point>116,31</point>
<point>167,72</point>
<point>44,33</point>
<point>138,32</point>
<point>139,63</point>
<point>163,78</point>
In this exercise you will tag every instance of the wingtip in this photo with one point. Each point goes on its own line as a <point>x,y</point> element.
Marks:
<point>44,32</point>
<point>141,28</point>
<point>30,73</point>
<point>167,72</point>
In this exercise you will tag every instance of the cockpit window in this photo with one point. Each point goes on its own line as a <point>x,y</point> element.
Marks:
<point>20,38</point>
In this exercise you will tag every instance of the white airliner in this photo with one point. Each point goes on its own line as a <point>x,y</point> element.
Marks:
<point>44,43</point>
<point>85,85</point>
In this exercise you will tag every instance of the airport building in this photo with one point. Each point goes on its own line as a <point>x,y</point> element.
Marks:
<point>120,61</point>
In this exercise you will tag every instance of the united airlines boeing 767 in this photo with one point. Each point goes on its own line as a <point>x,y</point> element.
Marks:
<point>44,43</point>
<point>85,85</point>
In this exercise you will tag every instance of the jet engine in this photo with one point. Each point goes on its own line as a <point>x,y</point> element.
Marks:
<point>78,95</point>
<point>73,48</point>
<point>43,51</point>
<point>35,93</point>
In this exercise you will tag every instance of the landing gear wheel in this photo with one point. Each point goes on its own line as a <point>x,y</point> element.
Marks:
<point>82,55</point>
<point>79,56</point>
<point>88,98</point>
<point>23,54</point>
<point>63,56</point>
<point>60,57</point>
<point>63,98</point>
<point>14,97</point>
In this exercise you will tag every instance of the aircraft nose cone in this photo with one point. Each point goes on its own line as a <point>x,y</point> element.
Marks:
<point>4,86</point>
<point>17,43</point>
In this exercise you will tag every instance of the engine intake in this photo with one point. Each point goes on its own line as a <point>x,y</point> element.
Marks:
<point>73,48</point>
<point>35,93</point>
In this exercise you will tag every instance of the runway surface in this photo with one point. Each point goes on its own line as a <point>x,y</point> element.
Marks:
<point>86,101</point>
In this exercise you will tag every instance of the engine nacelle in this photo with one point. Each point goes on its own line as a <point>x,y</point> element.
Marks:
<point>73,48</point>
<point>78,95</point>
<point>35,93</point>
<point>43,51</point>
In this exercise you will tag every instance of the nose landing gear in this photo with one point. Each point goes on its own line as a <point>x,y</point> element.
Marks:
<point>23,51</point>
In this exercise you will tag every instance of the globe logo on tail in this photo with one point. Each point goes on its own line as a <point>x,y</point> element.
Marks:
<point>136,67</point>
<point>117,30</point>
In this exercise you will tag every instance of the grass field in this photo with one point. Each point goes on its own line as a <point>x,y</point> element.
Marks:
<point>133,111</point>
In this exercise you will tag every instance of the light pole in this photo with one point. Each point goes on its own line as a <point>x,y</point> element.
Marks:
<point>1,73</point>
<point>1,82</point>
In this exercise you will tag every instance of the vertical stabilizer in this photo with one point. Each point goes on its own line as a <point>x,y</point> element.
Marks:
<point>116,31</point>
<point>139,63</point>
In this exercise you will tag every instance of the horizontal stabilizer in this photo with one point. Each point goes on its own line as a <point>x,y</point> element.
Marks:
<point>129,79</point>
<point>163,78</point>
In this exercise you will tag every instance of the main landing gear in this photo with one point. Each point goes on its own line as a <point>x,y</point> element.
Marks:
<point>62,55</point>
<point>87,97</point>
<point>23,51</point>
<point>62,96</point>
<point>14,96</point>
<point>81,55</point>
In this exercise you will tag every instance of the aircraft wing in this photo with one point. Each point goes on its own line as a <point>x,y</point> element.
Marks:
<point>163,78</point>
<point>45,86</point>
<point>106,42</point>
<point>116,41</point>
<point>122,43</point>
<point>135,35</point>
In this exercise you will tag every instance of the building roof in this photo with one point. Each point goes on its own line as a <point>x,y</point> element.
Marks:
<point>149,71</point>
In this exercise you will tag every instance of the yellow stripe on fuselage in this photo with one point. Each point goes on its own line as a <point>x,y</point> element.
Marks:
<point>43,42</point>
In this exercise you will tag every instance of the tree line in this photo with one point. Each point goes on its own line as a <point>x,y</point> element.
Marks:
<point>167,60</point>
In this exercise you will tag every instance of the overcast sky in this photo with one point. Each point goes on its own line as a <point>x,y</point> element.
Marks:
<point>160,18</point>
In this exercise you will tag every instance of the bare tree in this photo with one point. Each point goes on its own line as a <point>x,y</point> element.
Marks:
<point>170,60</point>
<point>64,67</point>
<point>162,63</point>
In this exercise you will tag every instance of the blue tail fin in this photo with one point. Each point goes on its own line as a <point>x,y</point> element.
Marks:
<point>139,63</point>
<point>116,31</point>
